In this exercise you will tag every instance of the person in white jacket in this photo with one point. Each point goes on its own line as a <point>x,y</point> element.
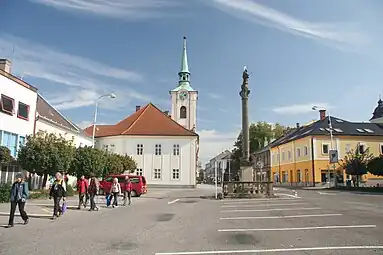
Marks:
<point>115,191</point>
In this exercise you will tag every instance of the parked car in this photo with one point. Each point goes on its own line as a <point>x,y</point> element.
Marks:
<point>139,186</point>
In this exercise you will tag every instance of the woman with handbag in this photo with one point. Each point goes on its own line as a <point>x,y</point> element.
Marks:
<point>19,195</point>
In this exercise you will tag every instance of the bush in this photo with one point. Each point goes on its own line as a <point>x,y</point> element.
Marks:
<point>38,194</point>
<point>5,190</point>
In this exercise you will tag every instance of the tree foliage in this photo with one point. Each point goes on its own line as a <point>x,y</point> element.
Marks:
<point>5,155</point>
<point>128,163</point>
<point>45,154</point>
<point>375,166</point>
<point>260,134</point>
<point>356,162</point>
<point>88,160</point>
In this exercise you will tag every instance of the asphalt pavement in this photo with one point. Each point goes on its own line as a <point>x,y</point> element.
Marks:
<point>189,222</point>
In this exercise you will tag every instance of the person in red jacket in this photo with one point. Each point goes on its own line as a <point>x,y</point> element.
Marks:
<point>127,190</point>
<point>82,188</point>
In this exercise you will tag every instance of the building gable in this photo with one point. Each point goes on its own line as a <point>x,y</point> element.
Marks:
<point>147,121</point>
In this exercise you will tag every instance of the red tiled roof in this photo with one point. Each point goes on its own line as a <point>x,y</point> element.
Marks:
<point>149,121</point>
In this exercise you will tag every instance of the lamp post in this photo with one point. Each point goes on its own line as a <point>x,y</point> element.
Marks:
<point>112,96</point>
<point>315,108</point>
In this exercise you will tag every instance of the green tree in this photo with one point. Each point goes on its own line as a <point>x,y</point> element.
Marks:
<point>128,163</point>
<point>88,160</point>
<point>6,155</point>
<point>355,163</point>
<point>260,134</point>
<point>45,154</point>
<point>114,164</point>
<point>375,166</point>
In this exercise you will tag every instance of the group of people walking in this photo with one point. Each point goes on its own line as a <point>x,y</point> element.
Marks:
<point>87,191</point>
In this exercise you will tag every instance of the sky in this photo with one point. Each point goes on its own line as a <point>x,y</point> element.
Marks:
<point>298,53</point>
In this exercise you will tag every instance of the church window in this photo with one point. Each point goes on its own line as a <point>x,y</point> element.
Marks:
<point>183,112</point>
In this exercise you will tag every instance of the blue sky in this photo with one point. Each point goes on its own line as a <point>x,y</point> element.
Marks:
<point>299,54</point>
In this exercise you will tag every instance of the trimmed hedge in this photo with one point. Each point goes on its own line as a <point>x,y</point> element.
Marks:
<point>5,190</point>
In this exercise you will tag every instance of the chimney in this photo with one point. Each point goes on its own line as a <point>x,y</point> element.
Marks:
<point>298,125</point>
<point>322,114</point>
<point>138,108</point>
<point>5,65</point>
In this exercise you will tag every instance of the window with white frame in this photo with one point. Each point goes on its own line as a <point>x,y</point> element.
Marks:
<point>157,174</point>
<point>176,149</point>
<point>361,148</point>
<point>325,148</point>
<point>381,148</point>
<point>306,150</point>
<point>106,147</point>
<point>289,154</point>
<point>283,156</point>
<point>111,148</point>
<point>157,150</point>
<point>139,171</point>
<point>140,149</point>
<point>298,152</point>
<point>175,174</point>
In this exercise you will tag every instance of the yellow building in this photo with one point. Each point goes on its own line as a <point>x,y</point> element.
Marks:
<point>301,157</point>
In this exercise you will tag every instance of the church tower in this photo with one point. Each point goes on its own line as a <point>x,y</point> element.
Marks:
<point>184,97</point>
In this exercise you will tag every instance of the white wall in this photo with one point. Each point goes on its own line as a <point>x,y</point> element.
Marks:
<point>19,93</point>
<point>43,125</point>
<point>191,108</point>
<point>185,162</point>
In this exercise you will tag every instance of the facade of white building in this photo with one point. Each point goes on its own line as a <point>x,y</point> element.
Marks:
<point>17,108</point>
<point>50,120</point>
<point>164,147</point>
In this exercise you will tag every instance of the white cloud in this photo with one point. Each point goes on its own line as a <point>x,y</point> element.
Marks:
<point>120,9</point>
<point>214,96</point>
<point>300,108</point>
<point>335,35</point>
<point>213,142</point>
<point>79,81</point>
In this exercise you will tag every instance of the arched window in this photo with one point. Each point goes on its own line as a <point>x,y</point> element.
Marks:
<point>183,112</point>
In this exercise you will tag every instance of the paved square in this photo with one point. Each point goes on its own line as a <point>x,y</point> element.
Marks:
<point>188,222</point>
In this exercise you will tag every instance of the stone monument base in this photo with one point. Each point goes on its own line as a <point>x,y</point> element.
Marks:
<point>246,174</point>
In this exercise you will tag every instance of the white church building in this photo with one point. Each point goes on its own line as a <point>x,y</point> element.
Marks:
<point>165,147</point>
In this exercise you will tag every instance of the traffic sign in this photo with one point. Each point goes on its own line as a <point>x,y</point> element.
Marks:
<point>333,154</point>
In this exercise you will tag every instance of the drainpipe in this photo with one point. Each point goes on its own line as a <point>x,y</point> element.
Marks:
<point>312,160</point>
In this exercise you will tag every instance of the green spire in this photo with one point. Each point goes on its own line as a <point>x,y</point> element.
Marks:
<point>184,61</point>
<point>184,74</point>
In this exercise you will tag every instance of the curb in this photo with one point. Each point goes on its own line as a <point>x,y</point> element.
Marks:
<point>41,216</point>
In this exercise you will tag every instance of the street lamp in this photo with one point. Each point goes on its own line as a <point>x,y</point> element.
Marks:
<point>112,96</point>
<point>315,108</point>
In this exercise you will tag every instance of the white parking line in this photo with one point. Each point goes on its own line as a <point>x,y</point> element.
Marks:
<point>287,195</point>
<point>235,206</point>
<point>174,201</point>
<point>291,229</point>
<point>335,248</point>
<point>252,200</point>
<point>273,209</point>
<point>281,217</point>
<point>325,193</point>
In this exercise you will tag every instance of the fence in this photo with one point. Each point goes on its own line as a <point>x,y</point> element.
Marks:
<point>8,173</point>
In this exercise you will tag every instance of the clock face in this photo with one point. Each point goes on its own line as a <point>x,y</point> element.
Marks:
<point>183,95</point>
